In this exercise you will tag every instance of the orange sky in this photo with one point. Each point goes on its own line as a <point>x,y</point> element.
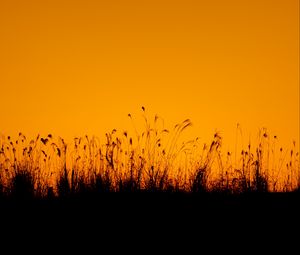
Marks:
<point>77,67</point>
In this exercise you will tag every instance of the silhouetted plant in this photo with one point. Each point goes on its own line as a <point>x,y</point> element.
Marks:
<point>260,183</point>
<point>63,184</point>
<point>199,184</point>
<point>102,183</point>
<point>22,184</point>
<point>151,160</point>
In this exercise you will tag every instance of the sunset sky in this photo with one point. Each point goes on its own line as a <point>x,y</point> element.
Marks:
<point>79,67</point>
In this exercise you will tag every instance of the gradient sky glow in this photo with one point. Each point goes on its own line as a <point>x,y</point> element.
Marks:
<point>79,67</point>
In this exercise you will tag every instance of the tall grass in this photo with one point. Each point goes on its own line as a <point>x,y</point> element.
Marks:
<point>151,160</point>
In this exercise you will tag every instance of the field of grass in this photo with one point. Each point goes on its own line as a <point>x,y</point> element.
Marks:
<point>147,181</point>
<point>150,161</point>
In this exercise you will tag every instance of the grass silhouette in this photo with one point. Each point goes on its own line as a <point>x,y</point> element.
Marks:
<point>146,182</point>
<point>152,161</point>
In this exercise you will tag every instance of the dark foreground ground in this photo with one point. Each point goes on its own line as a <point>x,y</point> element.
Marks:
<point>154,218</point>
<point>147,207</point>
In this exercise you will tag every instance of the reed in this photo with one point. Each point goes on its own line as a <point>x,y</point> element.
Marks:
<point>151,160</point>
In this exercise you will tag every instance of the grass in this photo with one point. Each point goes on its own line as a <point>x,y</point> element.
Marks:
<point>152,161</point>
<point>146,184</point>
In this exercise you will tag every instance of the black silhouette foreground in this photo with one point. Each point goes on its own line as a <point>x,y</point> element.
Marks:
<point>139,186</point>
